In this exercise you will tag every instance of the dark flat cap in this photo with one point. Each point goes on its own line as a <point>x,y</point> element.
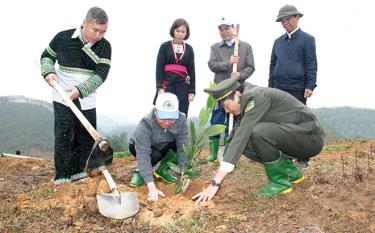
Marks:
<point>223,89</point>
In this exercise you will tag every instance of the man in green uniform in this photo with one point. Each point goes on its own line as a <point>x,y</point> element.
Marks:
<point>274,127</point>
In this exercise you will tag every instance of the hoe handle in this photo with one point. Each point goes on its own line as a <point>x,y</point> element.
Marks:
<point>103,145</point>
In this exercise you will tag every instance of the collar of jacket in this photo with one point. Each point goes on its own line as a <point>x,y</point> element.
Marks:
<point>293,36</point>
<point>222,43</point>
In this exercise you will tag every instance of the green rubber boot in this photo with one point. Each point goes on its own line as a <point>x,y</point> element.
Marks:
<point>137,180</point>
<point>294,173</point>
<point>163,170</point>
<point>278,180</point>
<point>214,148</point>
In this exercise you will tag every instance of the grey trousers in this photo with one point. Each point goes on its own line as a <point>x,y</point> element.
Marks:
<point>269,139</point>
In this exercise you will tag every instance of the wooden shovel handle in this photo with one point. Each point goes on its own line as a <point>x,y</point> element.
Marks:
<point>103,145</point>
<point>235,53</point>
<point>236,43</point>
<point>111,183</point>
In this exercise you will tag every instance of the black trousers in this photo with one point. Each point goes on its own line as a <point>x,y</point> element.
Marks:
<point>299,95</point>
<point>156,155</point>
<point>72,141</point>
<point>180,89</point>
<point>268,139</point>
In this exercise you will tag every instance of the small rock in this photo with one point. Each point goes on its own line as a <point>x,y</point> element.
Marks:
<point>127,221</point>
<point>221,228</point>
<point>98,228</point>
<point>310,228</point>
<point>18,226</point>
<point>67,220</point>
<point>158,213</point>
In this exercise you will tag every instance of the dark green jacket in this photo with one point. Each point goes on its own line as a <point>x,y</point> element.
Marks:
<point>262,104</point>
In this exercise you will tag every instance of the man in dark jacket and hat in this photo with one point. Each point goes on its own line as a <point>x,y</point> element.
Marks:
<point>274,127</point>
<point>293,65</point>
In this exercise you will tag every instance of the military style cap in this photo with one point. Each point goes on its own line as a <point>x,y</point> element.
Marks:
<point>287,10</point>
<point>223,89</point>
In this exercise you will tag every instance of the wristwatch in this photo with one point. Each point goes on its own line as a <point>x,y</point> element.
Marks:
<point>215,183</point>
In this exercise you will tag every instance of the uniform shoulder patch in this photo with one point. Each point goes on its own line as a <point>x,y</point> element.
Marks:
<point>249,105</point>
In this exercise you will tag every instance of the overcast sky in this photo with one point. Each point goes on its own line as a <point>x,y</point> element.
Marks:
<point>344,33</point>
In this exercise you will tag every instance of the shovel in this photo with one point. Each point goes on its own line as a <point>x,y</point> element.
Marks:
<point>118,205</point>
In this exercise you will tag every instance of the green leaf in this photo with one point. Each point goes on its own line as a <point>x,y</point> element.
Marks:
<point>192,173</point>
<point>204,115</point>
<point>174,167</point>
<point>212,84</point>
<point>214,130</point>
<point>202,144</point>
<point>192,132</point>
<point>178,187</point>
<point>210,102</point>
<point>192,151</point>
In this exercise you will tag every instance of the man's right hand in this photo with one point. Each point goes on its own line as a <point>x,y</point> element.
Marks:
<point>50,77</point>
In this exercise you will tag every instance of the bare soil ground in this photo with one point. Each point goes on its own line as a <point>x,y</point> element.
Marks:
<point>338,195</point>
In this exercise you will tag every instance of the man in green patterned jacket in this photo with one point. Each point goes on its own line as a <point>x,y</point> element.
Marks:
<point>274,127</point>
<point>84,57</point>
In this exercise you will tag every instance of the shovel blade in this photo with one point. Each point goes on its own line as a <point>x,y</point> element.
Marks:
<point>109,207</point>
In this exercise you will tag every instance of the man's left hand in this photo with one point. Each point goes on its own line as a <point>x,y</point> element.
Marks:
<point>308,93</point>
<point>191,97</point>
<point>235,74</point>
<point>74,93</point>
<point>206,195</point>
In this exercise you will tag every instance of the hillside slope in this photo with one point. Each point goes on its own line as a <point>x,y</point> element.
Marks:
<point>338,195</point>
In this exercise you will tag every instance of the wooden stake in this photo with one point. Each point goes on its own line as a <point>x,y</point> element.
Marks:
<point>19,156</point>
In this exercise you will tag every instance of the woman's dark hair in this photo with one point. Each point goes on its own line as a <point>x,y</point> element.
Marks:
<point>177,23</point>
